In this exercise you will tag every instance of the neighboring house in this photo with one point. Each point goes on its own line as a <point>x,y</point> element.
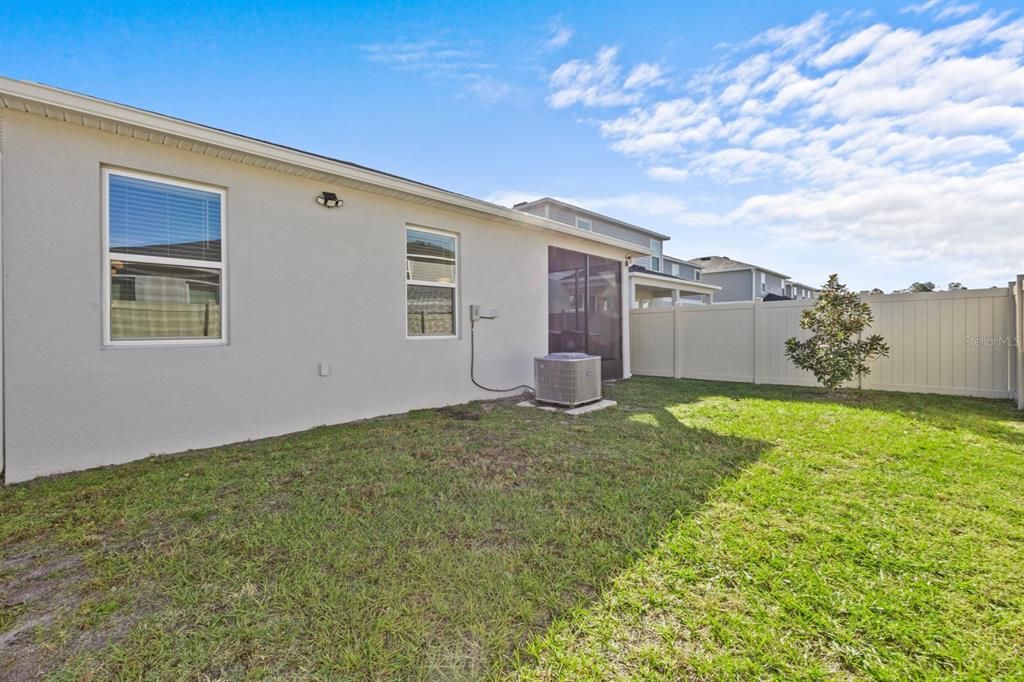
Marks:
<point>590,221</point>
<point>677,267</point>
<point>798,291</point>
<point>740,281</point>
<point>655,279</point>
<point>169,286</point>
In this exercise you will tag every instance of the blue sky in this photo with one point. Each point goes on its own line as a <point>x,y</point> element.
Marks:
<point>883,141</point>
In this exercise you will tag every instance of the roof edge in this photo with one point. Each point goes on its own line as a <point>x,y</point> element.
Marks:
<point>49,97</point>
<point>528,204</point>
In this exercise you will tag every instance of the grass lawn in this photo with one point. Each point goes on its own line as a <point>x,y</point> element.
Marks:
<point>699,530</point>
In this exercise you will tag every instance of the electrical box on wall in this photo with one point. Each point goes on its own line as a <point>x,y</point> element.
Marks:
<point>476,312</point>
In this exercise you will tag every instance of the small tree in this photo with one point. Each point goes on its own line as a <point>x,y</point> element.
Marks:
<point>835,353</point>
<point>956,286</point>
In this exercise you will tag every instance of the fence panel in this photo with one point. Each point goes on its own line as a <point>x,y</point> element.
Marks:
<point>957,342</point>
<point>777,322</point>
<point>652,342</point>
<point>952,342</point>
<point>716,342</point>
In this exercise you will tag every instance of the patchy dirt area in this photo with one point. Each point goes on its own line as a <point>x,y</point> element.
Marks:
<point>38,590</point>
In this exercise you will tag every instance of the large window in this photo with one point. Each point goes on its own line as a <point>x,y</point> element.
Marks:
<point>164,271</point>
<point>431,274</point>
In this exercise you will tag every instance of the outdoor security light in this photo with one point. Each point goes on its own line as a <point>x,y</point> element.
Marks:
<point>329,200</point>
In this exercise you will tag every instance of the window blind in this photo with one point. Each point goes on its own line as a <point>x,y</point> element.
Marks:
<point>158,219</point>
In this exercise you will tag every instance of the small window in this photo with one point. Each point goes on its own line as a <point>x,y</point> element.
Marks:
<point>584,224</point>
<point>164,275</point>
<point>764,283</point>
<point>675,269</point>
<point>655,264</point>
<point>431,274</point>
<point>696,274</point>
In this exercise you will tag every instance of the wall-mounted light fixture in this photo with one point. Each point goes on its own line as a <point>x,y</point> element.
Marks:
<point>329,200</point>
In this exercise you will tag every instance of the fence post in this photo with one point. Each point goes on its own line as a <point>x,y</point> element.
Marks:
<point>677,341</point>
<point>1018,341</point>
<point>756,341</point>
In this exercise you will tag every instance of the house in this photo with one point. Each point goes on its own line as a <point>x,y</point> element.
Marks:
<point>740,281</point>
<point>655,279</point>
<point>798,291</point>
<point>169,286</point>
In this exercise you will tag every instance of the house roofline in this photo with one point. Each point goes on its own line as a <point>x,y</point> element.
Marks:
<point>92,112</point>
<point>594,214</point>
<point>674,282</point>
<point>741,267</point>
<point>683,261</point>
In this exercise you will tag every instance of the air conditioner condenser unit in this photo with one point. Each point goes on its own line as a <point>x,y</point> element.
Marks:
<point>568,379</point>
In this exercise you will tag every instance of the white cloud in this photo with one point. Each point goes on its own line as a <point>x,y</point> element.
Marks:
<point>559,34</point>
<point>597,83</point>
<point>854,46</point>
<point>901,143</point>
<point>790,38</point>
<point>941,10</point>
<point>668,173</point>
<point>953,10</point>
<point>444,62</point>
<point>976,221</point>
<point>644,75</point>
<point>776,137</point>
<point>922,7</point>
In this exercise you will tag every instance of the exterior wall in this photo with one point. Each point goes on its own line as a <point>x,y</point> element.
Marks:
<point>955,343</point>
<point>300,291</point>
<point>688,271</point>
<point>736,285</point>
<point>568,217</point>
<point>623,233</point>
<point>774,284</point>
<point>798,292</point>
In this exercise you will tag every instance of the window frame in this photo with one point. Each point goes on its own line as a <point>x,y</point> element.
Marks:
<point>588,221</point>
<point>454,286</point>
<point>221,265</point>
<point>764,283</point>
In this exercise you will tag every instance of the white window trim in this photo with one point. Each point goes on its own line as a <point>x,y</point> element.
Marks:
<point>590,224</point>
<point>764,283</point>
<point>416,282</point>
<point>696,275</point>
<point>221,265</point>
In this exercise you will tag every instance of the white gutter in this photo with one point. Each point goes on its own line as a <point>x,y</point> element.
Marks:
<point>43,100</point>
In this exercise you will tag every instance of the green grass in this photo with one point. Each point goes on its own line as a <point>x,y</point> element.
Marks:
<point>699,530</point>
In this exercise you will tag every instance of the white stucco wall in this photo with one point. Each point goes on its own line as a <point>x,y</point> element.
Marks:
<point>305,285</point>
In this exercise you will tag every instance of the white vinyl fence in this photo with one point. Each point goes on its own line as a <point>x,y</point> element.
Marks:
<point>957,343</point>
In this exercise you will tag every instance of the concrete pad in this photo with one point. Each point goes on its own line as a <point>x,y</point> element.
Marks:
<point>571,411</point>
